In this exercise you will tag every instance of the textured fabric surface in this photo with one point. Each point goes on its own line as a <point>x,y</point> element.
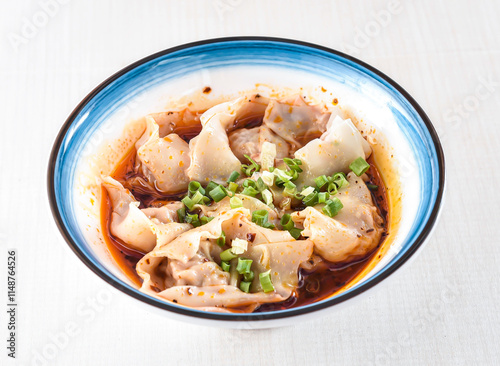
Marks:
<point>440,310</point>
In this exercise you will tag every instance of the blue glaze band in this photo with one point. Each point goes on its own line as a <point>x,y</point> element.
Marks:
<point>180,61</point>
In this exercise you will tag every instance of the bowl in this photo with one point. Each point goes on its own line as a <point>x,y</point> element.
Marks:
<point>409,153</point>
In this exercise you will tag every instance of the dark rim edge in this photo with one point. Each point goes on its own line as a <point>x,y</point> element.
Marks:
<point>251,317</point>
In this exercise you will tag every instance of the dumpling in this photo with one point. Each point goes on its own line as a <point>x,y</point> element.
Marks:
<point>185,269</point>
<point>353,233</point>
<point>295,121</point>
<point>250,141</point>
<point>211,155</point>
<point>333,152</point>
<point>163,160</point>
<point>128,222</point>
<point>245,142</point>
<point>184,122</point>
<point>250,203</point>
<point>138,228</point>
<point>166,213</point>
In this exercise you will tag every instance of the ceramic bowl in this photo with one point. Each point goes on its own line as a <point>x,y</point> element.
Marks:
<point>414,173</point>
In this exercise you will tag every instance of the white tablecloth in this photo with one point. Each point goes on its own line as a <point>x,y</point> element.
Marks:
<point>441,310</point>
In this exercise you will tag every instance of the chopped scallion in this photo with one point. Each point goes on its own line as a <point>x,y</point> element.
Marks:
<point>188,202</point>
<point>250,191</point>
<point>235,202</point>
<point>234,175</point>
<point>211,186</point>
<point>218,193</point>
<point>295,233</point>
<point>193,219</point>
<point>333,207</point>
<point>233,187</point>
<point>260,217</point>
<point>267,196</point>
<point>226,267</point>
<point>244,265</point>
<point>372,187</point>
<point>261,185</point>
<point>268,178</point>
<point>245,286</point>
<point>221,240</point>
<point>265,281</point>
<point>194,187</point>
<point>321,181</point>
<point>286,222</point>
<point>249,169</point>
<point>307,191</point>
<point>322,196</point>
<point>311,199</point>
<point>197,197</point>
<point>359,166</point>
<point>332,188</point>
<point>227,255</point>
<point>181,214</point>
<point>248,277</point>
<point>205,219</point>
<point>340,180</point>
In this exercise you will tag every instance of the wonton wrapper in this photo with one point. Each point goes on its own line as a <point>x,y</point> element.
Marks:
<point>295,121</point>
<point>164,160</point>
<point>353,233</point>
<point>136,227</point>
<point>182,270</point>
<point>333,152</point>
<point>210,153</point>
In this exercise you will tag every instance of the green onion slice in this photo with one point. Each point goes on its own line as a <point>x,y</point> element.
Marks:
<point>359,166</point>
<point>340,180</point>
<point>188,202</point>
<point>194,187</point>
<point>249,276</point>
<point>226,267</point>
<point>233,187</point>
<point>261,185</point>
<point>244,265</point>
<point>265,281</point>
<point>245,286</point>
<point>250,168</point>
<point>218,193</point>
<point>333,207</point>
<point>211,185</point>
<point>181,214</point>
<point>197,197</point>
<point>286,222</point>
<point>205,219</point>
<point>322,197</point>
<point>261,217</point>
<point>234,175</point>
<point>235,202</point>
<point>311,199</point>
<point>295,233</point>
<point>221,240</point>
<point>321,181</point>
<point>250,191</point>
<point>332,188</point>
<point>267,196</point>
<point>227,255</point>
<point>193,219</point>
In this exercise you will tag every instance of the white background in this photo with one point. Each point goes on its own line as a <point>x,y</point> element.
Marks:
<point>441,310</point>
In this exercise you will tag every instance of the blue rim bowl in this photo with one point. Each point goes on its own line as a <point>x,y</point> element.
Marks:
<point>176,61</point>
